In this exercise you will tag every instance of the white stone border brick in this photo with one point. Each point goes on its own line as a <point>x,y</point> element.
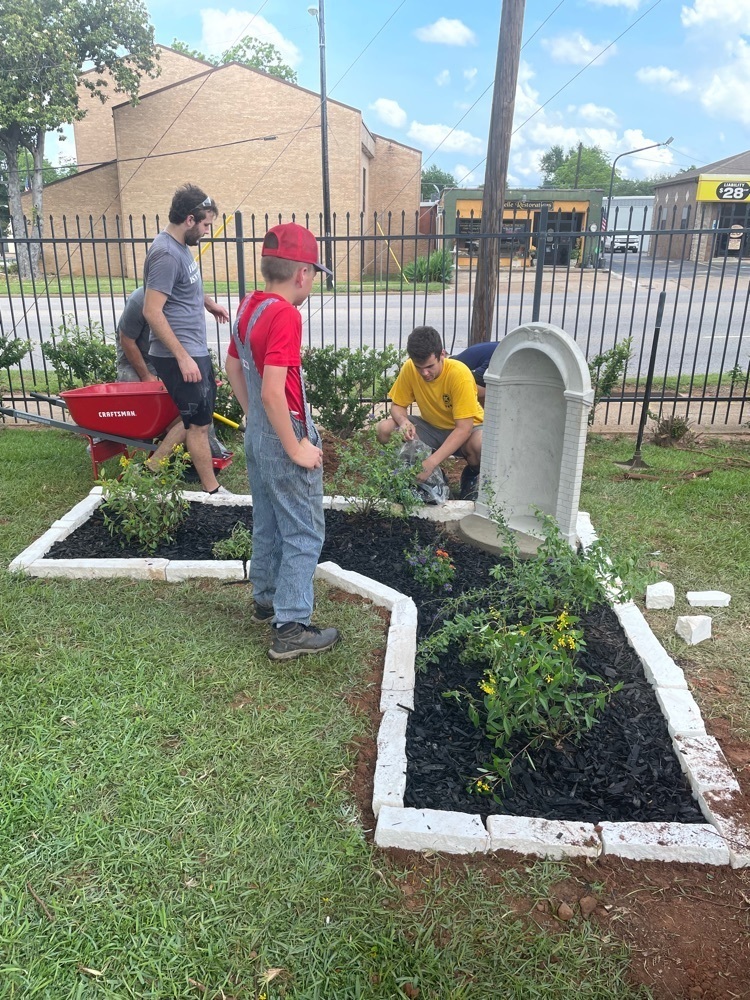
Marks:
<point>722,841</point>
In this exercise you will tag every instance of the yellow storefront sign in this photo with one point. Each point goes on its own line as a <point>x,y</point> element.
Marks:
<point>734,189</point>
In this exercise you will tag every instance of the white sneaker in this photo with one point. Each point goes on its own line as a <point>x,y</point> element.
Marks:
<point>223,492</point>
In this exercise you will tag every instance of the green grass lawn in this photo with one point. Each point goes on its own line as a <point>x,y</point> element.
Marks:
<point>176,819</point>
<point>693,532</point>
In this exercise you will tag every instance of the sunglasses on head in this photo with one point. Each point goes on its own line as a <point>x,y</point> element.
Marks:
<point>206,203</point>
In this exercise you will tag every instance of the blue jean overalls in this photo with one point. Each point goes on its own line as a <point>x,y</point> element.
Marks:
<point>288,523</point>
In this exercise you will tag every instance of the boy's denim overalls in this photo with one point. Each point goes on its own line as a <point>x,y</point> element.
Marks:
<point>288,523</point>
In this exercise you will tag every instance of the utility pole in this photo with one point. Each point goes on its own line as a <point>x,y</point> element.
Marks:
<point>319,14</point>
<point>496,170</point>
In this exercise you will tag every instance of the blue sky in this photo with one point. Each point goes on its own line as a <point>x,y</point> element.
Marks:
<point>423,73</point>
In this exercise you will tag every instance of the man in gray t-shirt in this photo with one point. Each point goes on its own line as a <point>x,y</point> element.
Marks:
<point>133,336</point>
<point>173,308</point>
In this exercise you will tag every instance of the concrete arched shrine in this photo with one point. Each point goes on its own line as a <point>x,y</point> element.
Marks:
<point>535,421</point>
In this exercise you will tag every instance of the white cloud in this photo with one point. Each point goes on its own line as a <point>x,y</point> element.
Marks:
<point>724,93</point>
<point>443,78</point>
<point>222,30</point>
<point>597,114</point>
<point>389,112</point>
<point>527,99</point>
<point>717,13</point>
<point>664,78</point>
<point>464,176</point>
<point>447,31</point>
<point>577,50</point>
<point>550,128</point>
<point>449,140</point>
<point>470,75</point>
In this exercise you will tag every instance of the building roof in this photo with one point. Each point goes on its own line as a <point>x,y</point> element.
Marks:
<point>739,162</point>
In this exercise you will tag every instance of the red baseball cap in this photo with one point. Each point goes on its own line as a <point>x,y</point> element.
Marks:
<point>292,242</point>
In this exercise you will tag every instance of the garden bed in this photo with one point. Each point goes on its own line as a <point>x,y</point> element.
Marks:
<point>624,769</point>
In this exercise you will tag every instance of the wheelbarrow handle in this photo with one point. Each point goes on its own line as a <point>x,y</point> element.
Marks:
<point>227,421</point>
<point>54,400</point>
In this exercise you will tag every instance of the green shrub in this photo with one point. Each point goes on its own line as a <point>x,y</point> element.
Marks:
<point>146,508</point>
<point>12,350</point>
<point>342,384</point>
<point>81,355</point>
<point>607,369</point>
<point>437,267</point>
<point>372,478</point>
<point>238,545</point>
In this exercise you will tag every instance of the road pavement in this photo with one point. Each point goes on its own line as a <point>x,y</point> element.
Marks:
<point>705,326</point>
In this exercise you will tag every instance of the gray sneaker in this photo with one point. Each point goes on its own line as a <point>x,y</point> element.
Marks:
<point>293,639</point>
<point>262,613</point>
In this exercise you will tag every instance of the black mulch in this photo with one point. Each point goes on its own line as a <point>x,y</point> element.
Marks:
<point>623,769</point>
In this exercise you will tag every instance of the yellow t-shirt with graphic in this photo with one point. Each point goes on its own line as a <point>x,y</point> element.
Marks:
<point>450,397</point>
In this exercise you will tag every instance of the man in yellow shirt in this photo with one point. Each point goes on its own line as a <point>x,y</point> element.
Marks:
<point>450,420</point>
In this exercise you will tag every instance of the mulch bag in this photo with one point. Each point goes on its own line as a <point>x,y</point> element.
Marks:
<point>434,490</point>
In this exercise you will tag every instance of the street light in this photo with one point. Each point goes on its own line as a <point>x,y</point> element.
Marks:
<point>629,153</point>
<point>319,14</point>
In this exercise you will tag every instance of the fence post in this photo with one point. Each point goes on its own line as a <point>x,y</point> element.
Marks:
<point>541,246</point>
<point>239,238</point>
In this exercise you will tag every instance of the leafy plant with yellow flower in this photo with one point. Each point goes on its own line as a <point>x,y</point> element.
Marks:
<point>145,508</point>
<point>533,688</point>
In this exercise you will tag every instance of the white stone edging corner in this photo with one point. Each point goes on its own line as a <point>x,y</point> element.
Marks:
<point>722,841</point>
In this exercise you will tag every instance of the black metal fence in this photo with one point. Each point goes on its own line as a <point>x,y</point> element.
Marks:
<point>600,286</point>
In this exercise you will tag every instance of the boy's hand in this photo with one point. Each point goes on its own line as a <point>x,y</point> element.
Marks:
<point>428,467</point>
<point>307,455</point>
<point>408,431</point>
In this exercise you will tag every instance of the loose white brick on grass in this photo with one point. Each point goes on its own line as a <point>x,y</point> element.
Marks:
<point>543,838</point>
<point>179,570</point>
<point>100,569</point>
<point>687,842</point>
<point>390,770</point>
<point>356,583</point>
<point>681,712</point>
<point>708,599</point>
<point>660,595</point>
<point>693,628</point>
<point>431,830</point>
<point>659,668</point>
<point>705,765</point>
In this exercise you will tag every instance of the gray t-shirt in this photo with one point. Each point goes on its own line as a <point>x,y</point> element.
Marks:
<point>134,326</point>
<point>171,269</point>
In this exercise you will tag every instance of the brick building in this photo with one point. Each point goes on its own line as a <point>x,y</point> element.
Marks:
<point>251,140</point>
<point>711,205</point>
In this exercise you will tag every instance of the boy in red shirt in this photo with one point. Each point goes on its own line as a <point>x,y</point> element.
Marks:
<point>284,457</point>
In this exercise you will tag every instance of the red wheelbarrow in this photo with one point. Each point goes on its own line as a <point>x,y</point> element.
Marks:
<point>116,417</point>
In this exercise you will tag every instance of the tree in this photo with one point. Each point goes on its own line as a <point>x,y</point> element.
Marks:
<point>50,173</point>
<point>44,45</point>
<point>249,51</point>
<point>560,170</point>
<point>434,177</point>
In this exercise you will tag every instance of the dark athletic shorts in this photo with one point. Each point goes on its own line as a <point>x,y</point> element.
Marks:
<point>195,400</point>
